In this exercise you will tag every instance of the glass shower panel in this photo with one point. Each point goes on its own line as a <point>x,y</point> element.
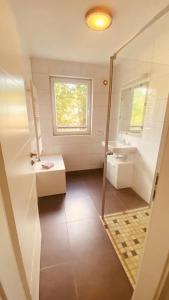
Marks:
<point>139,103</point>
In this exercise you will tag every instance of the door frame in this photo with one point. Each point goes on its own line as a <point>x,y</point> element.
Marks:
<point>2,293</point>
<point>7,203</point>
<point>154,266</point>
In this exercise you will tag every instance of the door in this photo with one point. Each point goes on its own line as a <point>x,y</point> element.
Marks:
<point>164,291</point>
<point>155,258</point>
<point>11,284</point>
<point>17,178</point>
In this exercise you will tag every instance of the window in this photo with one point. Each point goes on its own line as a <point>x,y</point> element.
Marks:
<point>138,107</point>
<point>133,107</point>
<point>71,101</point>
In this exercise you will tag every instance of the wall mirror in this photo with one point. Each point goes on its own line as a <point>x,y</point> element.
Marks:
<point>132,108</point>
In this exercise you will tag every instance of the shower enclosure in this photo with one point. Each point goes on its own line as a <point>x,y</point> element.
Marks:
<point>138,96</point>
<point>137,121</point>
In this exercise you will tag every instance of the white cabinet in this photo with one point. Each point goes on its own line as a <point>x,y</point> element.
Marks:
<point>119,172</point>
<point>51,181</point>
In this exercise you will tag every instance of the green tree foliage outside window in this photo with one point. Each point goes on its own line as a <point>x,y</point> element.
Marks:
<point>71,105</point>
<point>138,108</point>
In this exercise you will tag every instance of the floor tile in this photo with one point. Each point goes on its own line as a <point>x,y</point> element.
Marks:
<point>78,260</point>
<point>51,209</point>
<point>101,277</point>
<point>113,203</point>
<point>55,245</point>
<point>79,208</point>
<point>58,283</point>
<point>76,186</point>
<point>87,237</point>
<point>130,198</point>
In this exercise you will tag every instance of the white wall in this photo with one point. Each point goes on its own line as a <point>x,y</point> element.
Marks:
<point>79,152</point>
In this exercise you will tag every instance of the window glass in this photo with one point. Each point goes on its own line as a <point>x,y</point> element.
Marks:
<point>138,108</point>
<point>71,105</point>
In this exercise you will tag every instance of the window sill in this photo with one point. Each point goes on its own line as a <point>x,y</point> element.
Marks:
<point>66,134</point>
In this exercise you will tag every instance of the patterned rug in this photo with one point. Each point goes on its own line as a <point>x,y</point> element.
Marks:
<point>127,231</point>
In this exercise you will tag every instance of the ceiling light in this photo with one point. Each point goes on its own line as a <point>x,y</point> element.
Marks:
<point>98,18</point>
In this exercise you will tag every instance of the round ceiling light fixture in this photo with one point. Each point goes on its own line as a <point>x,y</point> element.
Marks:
<point>98,18</point>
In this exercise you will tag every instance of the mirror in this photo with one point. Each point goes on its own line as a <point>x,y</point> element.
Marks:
<point>132,107</point>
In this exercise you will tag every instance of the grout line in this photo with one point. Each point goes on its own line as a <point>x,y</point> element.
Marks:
<point>82,219</point>
<point>123,212</point>
<point>55,265</point>
<point>72,265</point>
<point>90,197</point>
<point>75,282</point>
<point>76,220</point>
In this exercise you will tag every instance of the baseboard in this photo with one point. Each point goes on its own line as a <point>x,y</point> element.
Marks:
<point>85,171</point>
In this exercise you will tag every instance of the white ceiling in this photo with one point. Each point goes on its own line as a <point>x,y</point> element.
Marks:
<point>56,28</point>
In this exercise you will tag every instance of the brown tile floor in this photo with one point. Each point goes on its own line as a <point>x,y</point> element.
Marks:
<point>78,261</point>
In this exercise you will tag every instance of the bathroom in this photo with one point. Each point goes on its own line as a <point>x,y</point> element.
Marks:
<point>83,150</point>
<point>133,147</point>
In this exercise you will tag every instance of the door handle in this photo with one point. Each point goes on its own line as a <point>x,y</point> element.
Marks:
<point>33,155</point>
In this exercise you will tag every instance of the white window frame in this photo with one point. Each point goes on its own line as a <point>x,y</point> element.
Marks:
<point>131,128</point>
<point>133,85</point>
<point>65,79</point>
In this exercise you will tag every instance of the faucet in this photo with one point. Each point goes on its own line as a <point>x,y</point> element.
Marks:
<point>125,141</point>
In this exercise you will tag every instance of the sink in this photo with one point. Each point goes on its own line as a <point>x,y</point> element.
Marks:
<point>120,148</point>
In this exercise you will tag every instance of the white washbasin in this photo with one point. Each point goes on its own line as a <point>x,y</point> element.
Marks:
<point>119,148</point>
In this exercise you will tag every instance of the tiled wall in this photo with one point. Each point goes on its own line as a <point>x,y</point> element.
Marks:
<point>148,142</point>
<point>79,152</point>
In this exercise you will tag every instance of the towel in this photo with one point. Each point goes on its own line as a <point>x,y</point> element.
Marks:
<point>47,164</point>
